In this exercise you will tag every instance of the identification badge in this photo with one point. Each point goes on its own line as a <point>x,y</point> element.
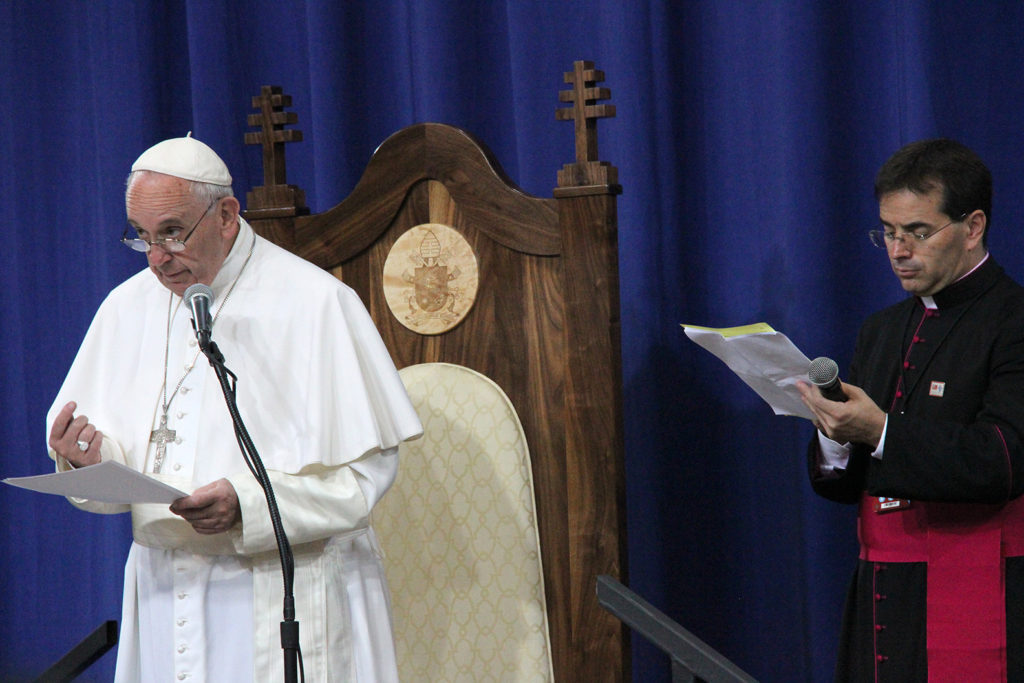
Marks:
<point>882,504</point>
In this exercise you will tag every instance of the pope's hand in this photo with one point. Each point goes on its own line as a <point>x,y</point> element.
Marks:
<point>211,509</point>
<point>69,434</point>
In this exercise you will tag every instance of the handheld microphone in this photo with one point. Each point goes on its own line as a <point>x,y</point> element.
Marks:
<point>199,298</point>
<point>824,374</point>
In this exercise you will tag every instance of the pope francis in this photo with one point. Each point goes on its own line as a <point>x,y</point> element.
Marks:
<point>321,399</point>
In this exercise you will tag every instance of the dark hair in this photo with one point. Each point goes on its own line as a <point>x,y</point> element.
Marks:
<point>927,165</point>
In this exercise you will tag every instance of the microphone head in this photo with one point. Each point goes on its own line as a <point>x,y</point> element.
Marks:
<point>822,371</point>
<point>198,289</point>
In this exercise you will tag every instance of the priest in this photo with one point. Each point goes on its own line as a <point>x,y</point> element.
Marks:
<point>322,402</point>
<point>930,441</point>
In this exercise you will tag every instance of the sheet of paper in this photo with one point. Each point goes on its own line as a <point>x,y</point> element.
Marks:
<point>766,360</point>
<point>107,482</point>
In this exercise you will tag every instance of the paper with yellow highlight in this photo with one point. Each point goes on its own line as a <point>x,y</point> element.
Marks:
<point>766,360</point>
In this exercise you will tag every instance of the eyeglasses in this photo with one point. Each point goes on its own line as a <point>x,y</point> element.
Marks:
<point>883,239</point>
<point>168,244</point>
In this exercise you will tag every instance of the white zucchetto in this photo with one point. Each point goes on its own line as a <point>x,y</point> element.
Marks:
<point>184,158</point>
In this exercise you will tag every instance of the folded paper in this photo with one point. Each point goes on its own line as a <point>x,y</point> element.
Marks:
<point>766,360</point>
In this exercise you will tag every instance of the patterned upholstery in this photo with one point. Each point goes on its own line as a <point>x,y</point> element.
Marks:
<point>460,541</point>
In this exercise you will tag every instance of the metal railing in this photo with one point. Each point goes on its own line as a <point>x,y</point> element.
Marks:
<point>693,660</point>
<point>81,657</point>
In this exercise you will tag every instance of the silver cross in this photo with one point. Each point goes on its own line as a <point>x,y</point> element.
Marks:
<point>161,436</point>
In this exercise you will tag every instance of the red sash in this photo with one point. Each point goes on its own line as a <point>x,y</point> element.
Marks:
<point>964,546</point>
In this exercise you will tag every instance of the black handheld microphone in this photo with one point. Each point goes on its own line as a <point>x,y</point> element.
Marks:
<point>199,298</point>
<point>824,374</point>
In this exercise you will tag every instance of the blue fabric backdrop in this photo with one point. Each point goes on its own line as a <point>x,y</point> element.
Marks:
<point>747,137</point>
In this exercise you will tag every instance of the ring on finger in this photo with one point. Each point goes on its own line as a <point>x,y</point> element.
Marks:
<point>82,445</point>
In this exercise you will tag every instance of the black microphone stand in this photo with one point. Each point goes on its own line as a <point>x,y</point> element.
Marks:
<point>289,626</point>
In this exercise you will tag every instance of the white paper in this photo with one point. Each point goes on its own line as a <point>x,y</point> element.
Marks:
<point>766,360</point>
<point>106,482</point>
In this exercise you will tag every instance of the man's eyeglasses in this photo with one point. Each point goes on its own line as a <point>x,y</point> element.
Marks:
<point>169,244</point>
<point>883,239</point>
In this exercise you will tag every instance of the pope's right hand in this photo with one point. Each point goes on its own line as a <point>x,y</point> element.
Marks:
<point>74,438</point>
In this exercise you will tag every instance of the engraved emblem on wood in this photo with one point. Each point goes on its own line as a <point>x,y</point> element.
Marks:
<point>430,278</point>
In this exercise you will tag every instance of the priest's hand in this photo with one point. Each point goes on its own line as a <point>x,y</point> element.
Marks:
<point>75,438</point>
<point>857,420</point>
<point>211,509</point>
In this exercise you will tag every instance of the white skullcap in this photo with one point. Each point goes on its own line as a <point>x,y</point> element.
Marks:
<point>184,158</point>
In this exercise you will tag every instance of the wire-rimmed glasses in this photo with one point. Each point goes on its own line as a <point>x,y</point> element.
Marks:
<point>883,239</point>
<point>169,244</point>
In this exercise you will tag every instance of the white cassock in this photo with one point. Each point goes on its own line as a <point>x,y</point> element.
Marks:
<point>326,410</point>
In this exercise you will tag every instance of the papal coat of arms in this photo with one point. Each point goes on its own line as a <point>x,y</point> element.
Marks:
<point>430,278</point>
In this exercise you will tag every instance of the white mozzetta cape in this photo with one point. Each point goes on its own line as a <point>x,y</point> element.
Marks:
<point>326,410</point>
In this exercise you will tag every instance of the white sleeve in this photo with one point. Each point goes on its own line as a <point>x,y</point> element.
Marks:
<point>109,450</point>
<point>317,503</point>
<point>877,453</point>
<point>376,473</point>
<point>834,455</point>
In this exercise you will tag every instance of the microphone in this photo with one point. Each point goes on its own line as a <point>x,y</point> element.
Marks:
<point>824,374</point>
<point>199,298</point>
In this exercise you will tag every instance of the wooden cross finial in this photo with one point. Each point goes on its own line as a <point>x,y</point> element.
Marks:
<point>584,112</point>
<point>272,206</point>
<point>272,119</point>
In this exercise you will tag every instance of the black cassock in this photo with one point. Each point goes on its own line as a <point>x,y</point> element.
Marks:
<point>952,382</point>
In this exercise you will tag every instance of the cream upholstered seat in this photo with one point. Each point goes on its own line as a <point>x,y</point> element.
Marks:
<point>459,534</point>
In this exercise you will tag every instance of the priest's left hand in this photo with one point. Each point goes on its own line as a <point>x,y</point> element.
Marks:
<point>211,509</point>
<point>858,420</point>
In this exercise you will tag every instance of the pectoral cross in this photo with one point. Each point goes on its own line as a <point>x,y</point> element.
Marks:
<point>161,436</point>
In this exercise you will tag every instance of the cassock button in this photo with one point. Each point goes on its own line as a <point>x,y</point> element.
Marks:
<point>879,627</point>
<point>182,622</point>
<point>182,596</point>
<point>182,648</point>
<point>878,597</point>
<point>899,393</point>
<point>177,466</point>
<point>881,658</point>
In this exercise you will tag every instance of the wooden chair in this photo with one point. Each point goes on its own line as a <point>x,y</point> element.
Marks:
<point>459,266</point>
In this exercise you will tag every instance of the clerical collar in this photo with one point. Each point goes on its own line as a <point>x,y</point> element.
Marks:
<point>236,258</point>
<point>967,287</point>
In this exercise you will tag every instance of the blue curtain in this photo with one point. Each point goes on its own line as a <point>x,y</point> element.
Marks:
<point>747,137</point>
